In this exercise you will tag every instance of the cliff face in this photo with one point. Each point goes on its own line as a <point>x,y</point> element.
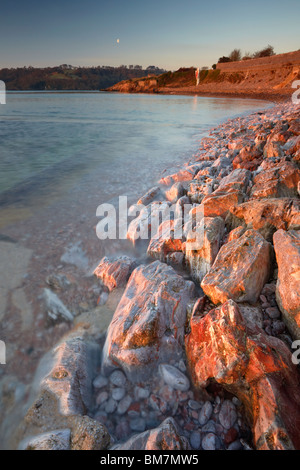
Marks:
<point>265,77</point>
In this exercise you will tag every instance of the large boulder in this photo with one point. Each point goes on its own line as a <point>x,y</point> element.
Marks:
<point>249,158</point>
<point>164,241</point>
<point>165,437</point>
<point>148,220</point>
<point>201,250</point>
<point>230,193</point>
<point>253,366</point>
<point>221,201</point>
<point>62,396</point>
<point>148,324</point>
<point>267,215</point>
<point>287,250</point>
<point>276,181</point>
<point>240,270</point>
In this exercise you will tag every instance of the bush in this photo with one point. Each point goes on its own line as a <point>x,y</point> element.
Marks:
<point>266,52</point>
<point>235,55</point>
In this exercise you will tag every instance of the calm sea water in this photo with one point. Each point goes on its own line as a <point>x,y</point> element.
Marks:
<point>50,140</point>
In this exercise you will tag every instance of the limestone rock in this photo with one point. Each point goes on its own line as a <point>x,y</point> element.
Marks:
<point>175,192</point>
<point>88,434</point>
<point>253,366</point>
<point>164,241</point>
<point>249,158</point>
<point>143,225</point>
<point>53,440</point>
<point>148,324</point>
<point>165,437</point>
<point>151,195</point>
<point>287,250</point>
<point>205,239</point>
<point>240,270</point>
<point>115,273</point>
<point>277,181</point>
<point>267,215</point>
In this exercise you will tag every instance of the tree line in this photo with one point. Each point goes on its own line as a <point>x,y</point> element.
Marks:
<point>68,77</point>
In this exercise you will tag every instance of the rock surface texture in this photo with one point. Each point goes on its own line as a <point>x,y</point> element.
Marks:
<point>148,325</point>
<point>199,355</point>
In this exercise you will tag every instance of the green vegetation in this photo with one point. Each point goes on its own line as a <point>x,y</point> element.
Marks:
<point>66,77</point>
<point>236,55</point>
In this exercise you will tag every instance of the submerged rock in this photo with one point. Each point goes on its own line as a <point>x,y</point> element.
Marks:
<point>55,308</point>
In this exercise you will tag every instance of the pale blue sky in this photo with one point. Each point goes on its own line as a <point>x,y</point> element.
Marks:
<point>165,33</point>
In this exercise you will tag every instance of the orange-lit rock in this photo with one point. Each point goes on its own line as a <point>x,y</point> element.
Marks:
<point>202,246</point>
<point>236,233</point>
<point>240,270</point>
<point>287,249</point>
<point>278,181</point>
<point>142,226</point>
<point>175,192</point>
<point>230,193</point>
<point>148,325</point>
<point>164,241</point>
<point>249,158</point>
<point>115,273</point>
<point>220,202</point>
<point>237,179</point>
<point>268,215</point>
<point>253,366</point>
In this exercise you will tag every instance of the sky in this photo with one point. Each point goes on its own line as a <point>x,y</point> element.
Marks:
<point>167,34</point>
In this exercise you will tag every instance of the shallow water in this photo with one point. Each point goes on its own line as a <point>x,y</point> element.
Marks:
<point>63,154</point>
<point>121,138</point>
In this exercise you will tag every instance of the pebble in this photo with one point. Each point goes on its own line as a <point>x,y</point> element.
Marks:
<point>124,404</point>
<point>194,405</point>
<point>174,377</point>
<point>111,406</point>
<point>118,393</point>
<point>137,424</point>
<point>122,430</point>
<point>205,413</point>
<point>133,414</point>
<point>273,312</point>
<point>195,440</point>
<point>228,414</point>
<point>236,445</point>
<point>118,379</point>
<point>141,393</point>
<point>210,426</point>
<point>210,442</point>
<point>278,327</point>
<point>101,398</point>
<point>100,381</point>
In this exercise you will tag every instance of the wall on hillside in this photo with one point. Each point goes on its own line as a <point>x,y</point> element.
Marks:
<point>264,63</point>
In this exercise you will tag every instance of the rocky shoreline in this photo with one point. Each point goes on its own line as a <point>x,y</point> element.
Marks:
<point>199,352</point>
